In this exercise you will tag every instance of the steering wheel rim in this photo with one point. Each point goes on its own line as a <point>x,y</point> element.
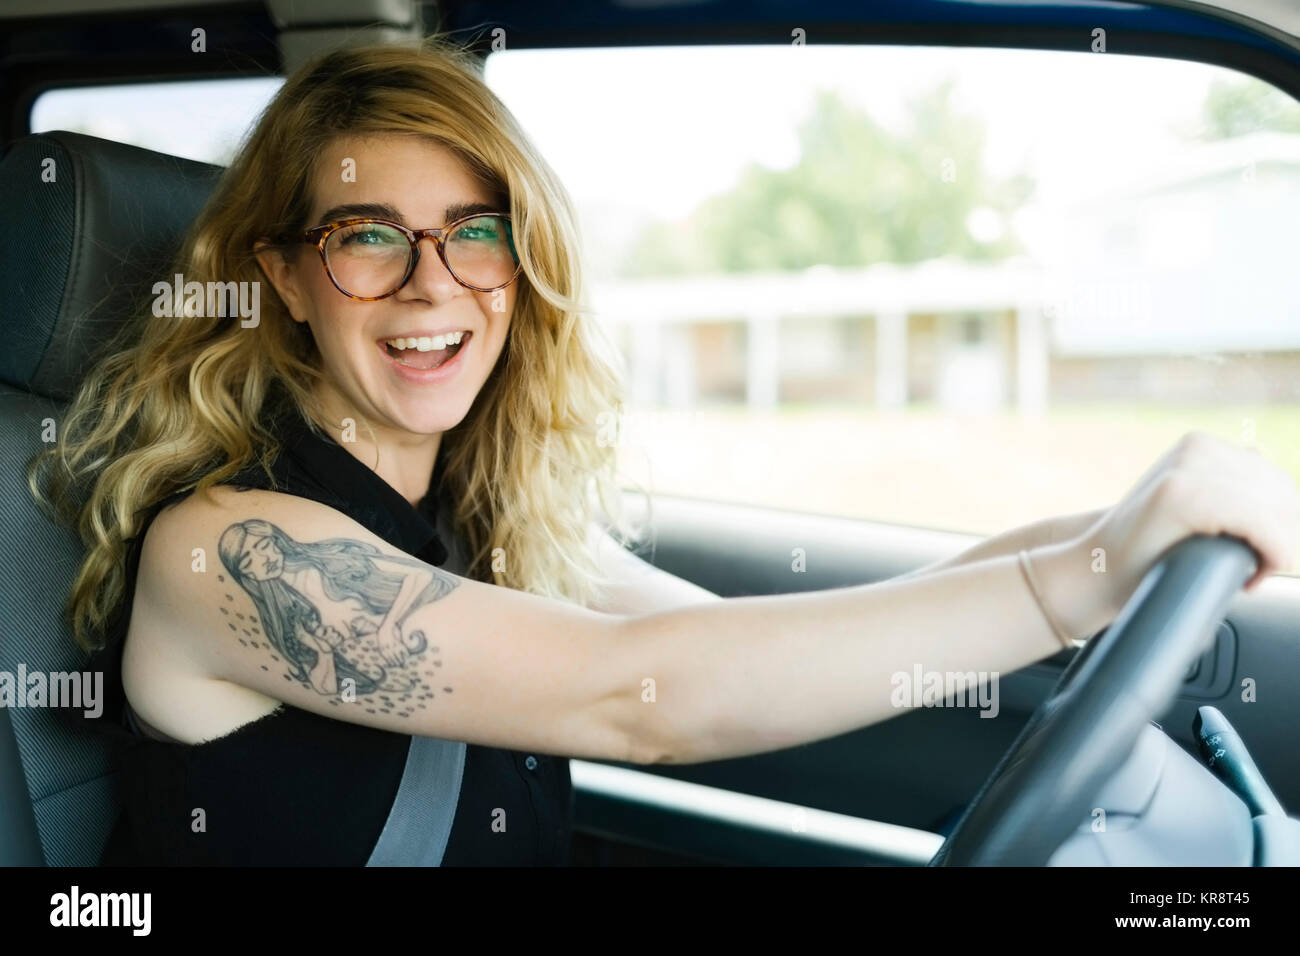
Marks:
<point>1043,786</point>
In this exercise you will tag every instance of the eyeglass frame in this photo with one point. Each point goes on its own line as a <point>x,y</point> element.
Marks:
<point>319,235</point>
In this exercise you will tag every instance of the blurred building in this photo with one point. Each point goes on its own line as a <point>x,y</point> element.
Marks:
<point>1180,286</point>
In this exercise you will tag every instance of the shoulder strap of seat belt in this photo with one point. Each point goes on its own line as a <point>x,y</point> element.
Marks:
<point>419,823</point>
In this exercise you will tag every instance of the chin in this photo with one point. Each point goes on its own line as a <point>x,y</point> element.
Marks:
<point>448,413</point>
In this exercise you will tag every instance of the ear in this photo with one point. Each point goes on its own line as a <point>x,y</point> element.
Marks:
<point>283,276</point>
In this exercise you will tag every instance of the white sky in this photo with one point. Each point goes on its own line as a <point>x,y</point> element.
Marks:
<point>661,128</point>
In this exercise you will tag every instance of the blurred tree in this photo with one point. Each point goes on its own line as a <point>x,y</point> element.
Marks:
<point>1235,108</point>
<point>858,195</point>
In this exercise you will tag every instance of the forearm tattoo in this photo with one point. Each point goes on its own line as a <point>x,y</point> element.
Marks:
<point>340,614</point>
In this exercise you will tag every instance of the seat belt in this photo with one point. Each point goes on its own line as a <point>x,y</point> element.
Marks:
<point>419,823</point>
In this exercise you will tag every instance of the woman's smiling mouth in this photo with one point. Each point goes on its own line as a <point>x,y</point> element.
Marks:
<point>426,358</point>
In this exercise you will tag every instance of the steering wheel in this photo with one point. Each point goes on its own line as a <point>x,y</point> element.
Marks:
<point>1043,787</point>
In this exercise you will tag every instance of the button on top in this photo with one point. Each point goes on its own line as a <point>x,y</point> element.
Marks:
<point>531,762</point>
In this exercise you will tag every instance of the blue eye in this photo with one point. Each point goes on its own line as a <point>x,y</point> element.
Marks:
<point>368,235</point>
<point>487,229</point>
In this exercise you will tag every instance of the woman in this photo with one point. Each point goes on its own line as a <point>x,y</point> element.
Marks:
<point>427,332</point>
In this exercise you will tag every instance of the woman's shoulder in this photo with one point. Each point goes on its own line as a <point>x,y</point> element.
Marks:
<point>183,581</point>
<point>179,532</point>
<point>188,510</point>
<point>220,494</point>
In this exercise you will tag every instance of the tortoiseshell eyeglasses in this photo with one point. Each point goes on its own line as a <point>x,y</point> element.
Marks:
<point>371,259</point>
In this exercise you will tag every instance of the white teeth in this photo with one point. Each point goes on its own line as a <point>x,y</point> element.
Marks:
<point>427,343</point>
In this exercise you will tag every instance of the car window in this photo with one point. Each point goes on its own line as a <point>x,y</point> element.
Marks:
<point>962,289</point>
<point>203,120</point>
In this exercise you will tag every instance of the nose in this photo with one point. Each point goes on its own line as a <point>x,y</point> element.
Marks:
<point>430,280</point>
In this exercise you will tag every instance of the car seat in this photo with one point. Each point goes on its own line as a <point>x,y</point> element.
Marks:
<point>89,227</point>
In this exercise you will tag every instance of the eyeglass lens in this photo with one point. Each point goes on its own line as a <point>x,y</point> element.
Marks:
<point>371,259</point>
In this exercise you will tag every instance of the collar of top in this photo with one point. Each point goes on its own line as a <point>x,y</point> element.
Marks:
<point>362,493</point>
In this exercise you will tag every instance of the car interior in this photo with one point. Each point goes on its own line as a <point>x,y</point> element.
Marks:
<point>1148,721</point>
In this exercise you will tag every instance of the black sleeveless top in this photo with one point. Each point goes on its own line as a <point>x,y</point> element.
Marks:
<point>295,788</point>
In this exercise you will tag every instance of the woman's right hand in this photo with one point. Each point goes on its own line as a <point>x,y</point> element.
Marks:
<point>1203,485</point>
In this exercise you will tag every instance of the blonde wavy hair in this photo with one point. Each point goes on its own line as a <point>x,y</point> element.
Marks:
<point>180,404</point>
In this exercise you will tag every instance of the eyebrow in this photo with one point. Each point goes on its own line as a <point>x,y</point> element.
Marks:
<point>382,210</point>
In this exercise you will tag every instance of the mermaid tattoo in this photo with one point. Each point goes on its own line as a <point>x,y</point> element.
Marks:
<point>335,609</point>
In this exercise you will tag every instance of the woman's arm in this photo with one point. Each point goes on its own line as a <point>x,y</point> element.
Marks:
<point>1048,531</point>
<point>635,585</point>
<point>781,671</point>
<point>717,679</point>
<point>714,679</point>
<point>640,587</point>
<point>778,671</point>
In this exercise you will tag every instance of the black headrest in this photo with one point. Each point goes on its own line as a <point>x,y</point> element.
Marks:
<point>88,227</point>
